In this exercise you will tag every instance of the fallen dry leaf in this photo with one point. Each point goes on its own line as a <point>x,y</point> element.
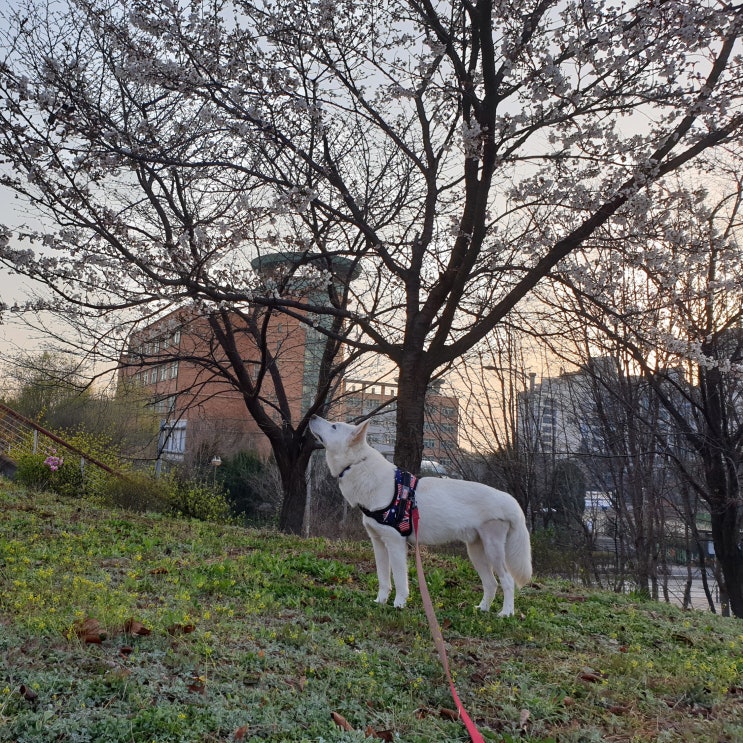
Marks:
<point>197,684</point>
<point>386,735</point>
<point>341,721</point>
<point>240,733</point>
<point>592,677</point>
<point>449,714</point>
<point>27,693</point>
<point>180,629</point>
<point>298,683</point>
<point>89,630</point>
<point>135,628</point>
<point>524,719</point>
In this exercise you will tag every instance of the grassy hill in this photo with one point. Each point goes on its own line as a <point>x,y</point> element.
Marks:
<point>123,627</point>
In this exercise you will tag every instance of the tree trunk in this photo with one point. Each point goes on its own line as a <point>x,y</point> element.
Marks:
<point>723,493</point>
<point>725,535</point>
<point>411,409</point>
<point>291,461</point>
<point>292,453</point>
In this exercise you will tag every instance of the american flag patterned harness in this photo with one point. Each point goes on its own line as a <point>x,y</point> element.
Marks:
<point>399,513</point>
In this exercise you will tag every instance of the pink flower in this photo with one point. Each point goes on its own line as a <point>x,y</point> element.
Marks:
<point>54,462</point>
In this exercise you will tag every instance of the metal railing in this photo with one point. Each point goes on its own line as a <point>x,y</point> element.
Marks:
<point>20,435</point>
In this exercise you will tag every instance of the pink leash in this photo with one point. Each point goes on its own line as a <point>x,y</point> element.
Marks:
<point>438,638</point>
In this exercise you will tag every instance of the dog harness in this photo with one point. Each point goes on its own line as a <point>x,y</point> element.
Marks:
<point>399,513</point>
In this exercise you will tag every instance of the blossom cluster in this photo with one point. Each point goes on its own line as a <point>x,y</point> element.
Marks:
<point>54,462</point>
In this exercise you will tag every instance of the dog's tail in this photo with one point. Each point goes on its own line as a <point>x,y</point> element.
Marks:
<point>518,551</point>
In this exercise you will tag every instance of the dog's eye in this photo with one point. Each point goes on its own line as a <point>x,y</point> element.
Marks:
<point>333,426</point>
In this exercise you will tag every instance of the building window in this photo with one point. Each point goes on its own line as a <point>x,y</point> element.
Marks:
<point>173,438</point>
<point>448,412</point>
<point>429,443</point>
<point>165,406</point>
<point>163,373</point>
<point>549,414</point>
<point>174,370</point>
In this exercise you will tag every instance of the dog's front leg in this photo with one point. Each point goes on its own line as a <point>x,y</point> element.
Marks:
<point>397,548</point>
<point>382,559</point>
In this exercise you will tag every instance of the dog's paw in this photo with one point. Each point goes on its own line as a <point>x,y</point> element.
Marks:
<point>381,598</point>
<point>505,613</point>
<point>400,603</point>
<point>482,606</point>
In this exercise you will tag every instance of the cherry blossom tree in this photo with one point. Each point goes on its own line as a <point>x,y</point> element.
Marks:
<point>134,239</point>
<point>454,152</point>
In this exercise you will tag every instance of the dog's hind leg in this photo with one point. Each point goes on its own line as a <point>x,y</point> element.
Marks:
<point>382,559</point>
<point>493,535</point>
<point>476,552</point>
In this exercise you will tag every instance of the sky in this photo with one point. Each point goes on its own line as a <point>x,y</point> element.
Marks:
<point>13,335</point>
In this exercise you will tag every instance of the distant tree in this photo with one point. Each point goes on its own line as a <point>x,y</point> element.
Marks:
<point>626,458</point>
<point>55,391</point>
<point>238,475</point>
<point>47,387</point>
<point>494,382</point>
<point>679,315</point>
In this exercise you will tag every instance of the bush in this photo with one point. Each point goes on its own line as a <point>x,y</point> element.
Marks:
<point>50,472</point>
<point>64,472</point>
<point>198,501</point>
<point>65,475</point>
<point>169,495</point>
<point>241,476</point>
<point>137,492</point>
<point>32,472</point>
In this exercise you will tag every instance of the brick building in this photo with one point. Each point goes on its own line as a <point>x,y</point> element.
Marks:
<point>185,373</point>
<point>177,364</point>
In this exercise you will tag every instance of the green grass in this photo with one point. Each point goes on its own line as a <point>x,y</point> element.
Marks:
<point>257,636</point>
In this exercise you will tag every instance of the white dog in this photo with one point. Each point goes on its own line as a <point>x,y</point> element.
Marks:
<point>489,521</point>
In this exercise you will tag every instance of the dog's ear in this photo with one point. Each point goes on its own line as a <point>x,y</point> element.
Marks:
<point>359,435</point>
